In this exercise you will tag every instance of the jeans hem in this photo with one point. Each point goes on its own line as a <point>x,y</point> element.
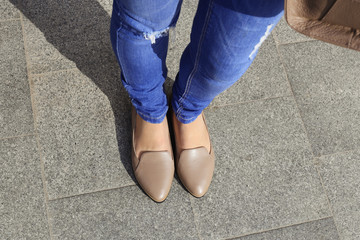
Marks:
<point>152,119</point>
<point>181,118</point>
<point>186,121</point>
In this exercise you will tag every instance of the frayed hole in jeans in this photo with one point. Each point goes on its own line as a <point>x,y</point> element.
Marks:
<point>152,36</point>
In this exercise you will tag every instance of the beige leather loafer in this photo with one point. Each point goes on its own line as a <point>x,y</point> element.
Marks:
<point>154,171</point>
<point>195,167</point>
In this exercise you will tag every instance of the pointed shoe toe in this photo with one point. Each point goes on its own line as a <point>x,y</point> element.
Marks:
<point>154,173</point>
<point>195,168</point>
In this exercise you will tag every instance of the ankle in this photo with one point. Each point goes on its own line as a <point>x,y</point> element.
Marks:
<point>191,135</point>
<point>151,136</point>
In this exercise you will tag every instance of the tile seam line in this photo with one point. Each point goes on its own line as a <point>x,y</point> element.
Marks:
<point>197,228</point>
<point>53,72</point>
<point>245,102</point>
<point>295,42</point>
<point>17,136</point>
<point>10,19</point>
<point>339,152</point>
<point>330,207</point>
<point>296,104</point>
<point>327,196</point>
<point>42,170</point>
<point>278,41</point>
<point>277,228</point>
<point>93,192</point>
<point>273,35</point>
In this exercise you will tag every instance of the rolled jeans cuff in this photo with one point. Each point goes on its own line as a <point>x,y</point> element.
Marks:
<point>152,118</point>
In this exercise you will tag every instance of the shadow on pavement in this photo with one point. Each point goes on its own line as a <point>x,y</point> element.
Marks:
<point>79,30</point>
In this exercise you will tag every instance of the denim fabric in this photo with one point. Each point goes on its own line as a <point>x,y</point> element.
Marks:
<point>225,38</point>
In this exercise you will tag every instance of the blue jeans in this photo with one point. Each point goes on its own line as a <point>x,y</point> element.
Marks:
<point>225,38</point>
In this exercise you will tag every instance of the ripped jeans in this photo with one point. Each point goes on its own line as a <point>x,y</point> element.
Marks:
<point>225,38</point>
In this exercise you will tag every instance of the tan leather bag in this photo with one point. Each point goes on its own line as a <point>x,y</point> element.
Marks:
<point>333,21</point>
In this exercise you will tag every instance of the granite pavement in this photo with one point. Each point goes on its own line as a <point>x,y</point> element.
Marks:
<point>286,137</point>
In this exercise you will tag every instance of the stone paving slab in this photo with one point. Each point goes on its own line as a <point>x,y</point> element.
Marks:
<point>264,79</point>
<point>341,176</point>
<point>284,34</point>
<point>264,177</point>
<point>84,136</point>
<point>8,10</point>
<point>29,226</point>
<point>125,213</point>
<point>58,37</point>
<point>16,116</point>
<point>325,81</point>
<point>42,55</point>
<point>324,229</point>
<point>22,203</point>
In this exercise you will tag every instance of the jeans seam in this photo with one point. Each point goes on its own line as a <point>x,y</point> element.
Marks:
<point>197,59</point>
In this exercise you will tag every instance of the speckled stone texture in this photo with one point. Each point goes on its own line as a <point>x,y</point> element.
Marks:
<point>284,34</point>
<point>264,177</point>
<point>8,11</point>
<point>341,175</point>
<point>325,81</point>
<point>22,204</point>
<point>16,117</point>
<point>65,35</point>
<point>321,229</point>
<point>84,133</point>
<point>286,137</point>
<point>125,213</point>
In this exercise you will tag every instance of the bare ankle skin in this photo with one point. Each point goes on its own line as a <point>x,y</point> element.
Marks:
<point>191,135</point>
<point>151,136</point>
